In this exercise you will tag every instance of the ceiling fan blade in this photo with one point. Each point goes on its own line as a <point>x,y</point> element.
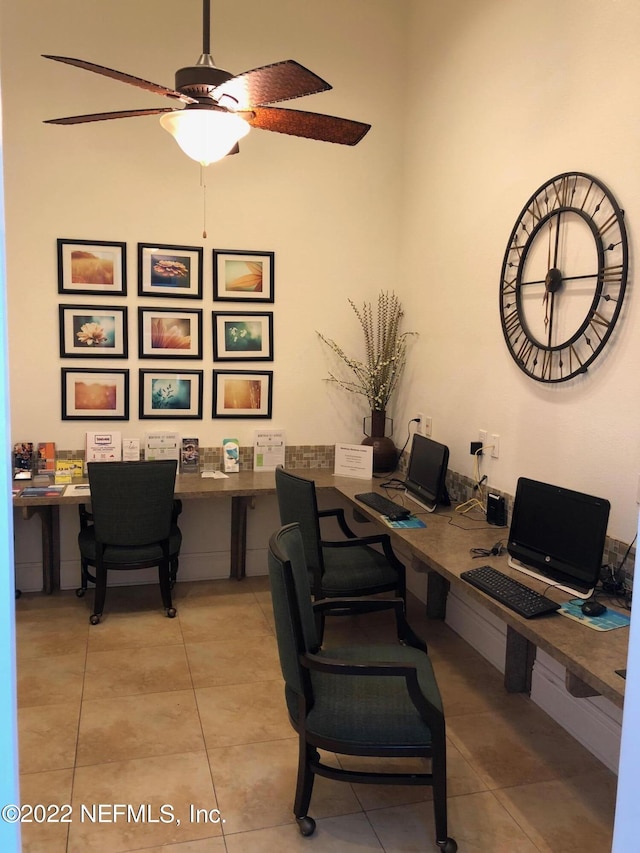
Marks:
<point>105,116</point>
<point>123,78</point>
<point>269,84</point>
<point>310,125</point>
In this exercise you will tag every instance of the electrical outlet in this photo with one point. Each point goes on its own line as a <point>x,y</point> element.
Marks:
<point>420,427</point>
<point>427,426</point>
<point>495,450</point>
<point>482,437</point>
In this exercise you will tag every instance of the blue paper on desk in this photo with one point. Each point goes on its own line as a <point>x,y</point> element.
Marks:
<point>607,622</point>
<point>411,521</point>
<point>42,491</point>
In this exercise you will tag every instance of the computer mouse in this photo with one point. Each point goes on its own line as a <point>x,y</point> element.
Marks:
<point>591,607</point>
<point>400,515</point>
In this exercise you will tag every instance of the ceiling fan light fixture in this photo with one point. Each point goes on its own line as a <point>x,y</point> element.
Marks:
<point>205,134</point>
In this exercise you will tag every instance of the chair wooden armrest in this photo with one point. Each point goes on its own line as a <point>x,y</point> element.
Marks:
<point>405,633</point>
<point>338,514</point>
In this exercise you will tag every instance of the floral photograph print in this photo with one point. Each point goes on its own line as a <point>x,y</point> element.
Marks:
<point>239,275</point>
<point>165,333</point>
<point>174,271</point>
<point>95,395</point>
<point>171,394</point>
<point>242,337</point>
<point>88,331</point>
<point>92,266</point>
<point>241,394</point>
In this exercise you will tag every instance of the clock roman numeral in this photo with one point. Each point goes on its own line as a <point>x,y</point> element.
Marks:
<point>512,322</point>
<point>525,352</point>
<point>608,224</point>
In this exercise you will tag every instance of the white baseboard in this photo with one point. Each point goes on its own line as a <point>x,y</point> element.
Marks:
<point>596,723</point>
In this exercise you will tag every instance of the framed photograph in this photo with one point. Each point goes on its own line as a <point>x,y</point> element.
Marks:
<point>94,395</point>
<point>167,333</point>
<point>93,331</point>
<point>242,337</point>
<point>241,394</point>
<point>239,275</point>
<point>171,394</point>
<point>92,266</point>
<point>174,271</point>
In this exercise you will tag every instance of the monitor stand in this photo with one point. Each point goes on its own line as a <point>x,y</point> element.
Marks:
<point>444,500</point>
<point>426,507</point>
<point>521,567</point>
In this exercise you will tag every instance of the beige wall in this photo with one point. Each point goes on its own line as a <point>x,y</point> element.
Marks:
<point>330,212</point>
<point>473,106</point>
<point>503,96</point>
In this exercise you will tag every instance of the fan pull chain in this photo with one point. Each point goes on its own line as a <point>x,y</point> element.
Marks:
<point>203,184</point>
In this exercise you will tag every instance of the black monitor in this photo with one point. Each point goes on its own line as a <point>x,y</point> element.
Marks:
<point>558,535</point>
<point>426,472</point>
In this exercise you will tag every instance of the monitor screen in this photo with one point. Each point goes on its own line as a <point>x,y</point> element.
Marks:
<point>558,535</point>
<point>426,472</point>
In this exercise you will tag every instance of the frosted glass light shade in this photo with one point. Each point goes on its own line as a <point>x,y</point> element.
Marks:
<point>205,135</point>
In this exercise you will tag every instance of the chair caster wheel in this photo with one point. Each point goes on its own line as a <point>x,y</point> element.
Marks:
<point>448,846</point>
<point>306,825</point>
<point>80,592</point>
<point>95,618</point>
<point>171,612</point>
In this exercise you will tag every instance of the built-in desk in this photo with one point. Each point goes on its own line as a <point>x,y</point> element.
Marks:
<point>240,488</point>
<point>441,549</point>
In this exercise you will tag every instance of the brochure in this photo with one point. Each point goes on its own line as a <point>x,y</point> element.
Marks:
<point>268,449</point>
<point>190,456</point>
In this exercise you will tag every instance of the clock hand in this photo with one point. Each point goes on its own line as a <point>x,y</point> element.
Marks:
<point>568,278</point>
<point>550,326</point>
<point>555,251</point>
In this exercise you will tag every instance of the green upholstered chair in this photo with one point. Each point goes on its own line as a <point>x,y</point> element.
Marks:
<point>343,568</point>
<point>373,700</point>
<point>133,515</point>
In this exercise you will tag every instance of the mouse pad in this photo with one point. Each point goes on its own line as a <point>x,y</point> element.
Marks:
<point>607,622</point>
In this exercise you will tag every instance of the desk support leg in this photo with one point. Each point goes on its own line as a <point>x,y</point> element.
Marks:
<point>239,507</point>
<point>518,668</point>
<point>50,522</point>
<point>437,591</point>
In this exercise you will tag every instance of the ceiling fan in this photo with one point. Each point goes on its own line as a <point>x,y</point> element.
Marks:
<point>220,108</point>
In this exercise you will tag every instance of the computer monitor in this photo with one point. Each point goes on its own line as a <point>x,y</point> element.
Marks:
<point>558,535</point>
<point>426,472</point>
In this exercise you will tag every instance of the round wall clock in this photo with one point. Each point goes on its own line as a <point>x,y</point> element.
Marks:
<point>563,278</point>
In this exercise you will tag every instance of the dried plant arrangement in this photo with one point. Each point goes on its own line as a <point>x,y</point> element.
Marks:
<point>377,375</point>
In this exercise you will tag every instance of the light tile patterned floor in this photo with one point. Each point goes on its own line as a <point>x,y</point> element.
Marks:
<point>189,712</point>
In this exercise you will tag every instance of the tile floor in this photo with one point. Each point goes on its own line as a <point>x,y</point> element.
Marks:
<point>188,713</point>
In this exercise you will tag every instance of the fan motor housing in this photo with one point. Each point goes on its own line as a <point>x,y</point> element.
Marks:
<point>199,80</point>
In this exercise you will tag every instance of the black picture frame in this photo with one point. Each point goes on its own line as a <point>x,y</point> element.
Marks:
<point>242,335</point>
<point>170,394</point>
<point>170,272</point>
<point>174,333</point>
<point>243,276</point>
<point>232,388</point>
<point>92,266</point>
<point>93,331</point>
<point>107,389</point>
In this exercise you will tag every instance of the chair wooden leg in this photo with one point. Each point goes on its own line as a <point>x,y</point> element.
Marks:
<point>99,595</point>
<point>164,574</point>
<point>439,770</point>
<point>173,571</point>
<point>304,788</point>
<point>84,577</point>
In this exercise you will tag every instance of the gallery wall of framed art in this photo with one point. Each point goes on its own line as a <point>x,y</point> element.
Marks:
<point>183,325</point>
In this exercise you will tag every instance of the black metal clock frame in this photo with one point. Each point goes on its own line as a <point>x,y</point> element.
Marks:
<point>549,216</point>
